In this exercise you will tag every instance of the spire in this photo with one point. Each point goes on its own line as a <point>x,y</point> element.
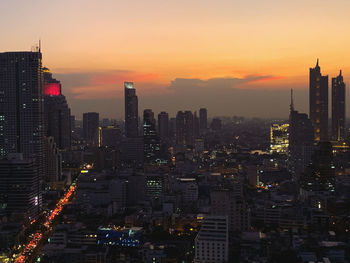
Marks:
<point>39,45</point>
<point>291,100</point>
<point>340,73</point>
<point>317,63</point>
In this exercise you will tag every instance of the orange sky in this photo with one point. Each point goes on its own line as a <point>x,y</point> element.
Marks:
<point>155,42</point>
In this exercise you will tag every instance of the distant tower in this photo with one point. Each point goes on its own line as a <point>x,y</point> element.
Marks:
<point>338,108</point>
<point>203,120</point>
<point>90,127</point>
<point>150,137</point>
<point>163,125</point>
<point>131,111</point>
<point>318,102</point>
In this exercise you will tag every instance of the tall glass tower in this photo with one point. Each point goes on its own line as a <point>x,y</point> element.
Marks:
<point>131,111</point>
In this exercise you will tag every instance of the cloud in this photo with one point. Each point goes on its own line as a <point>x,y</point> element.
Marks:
<point>107,84</point>
<point>253,95</point>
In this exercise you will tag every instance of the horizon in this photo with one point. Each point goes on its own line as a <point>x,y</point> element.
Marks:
<point>245,55</point>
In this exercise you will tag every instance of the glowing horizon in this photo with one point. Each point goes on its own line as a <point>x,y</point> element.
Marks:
<point>264,45</point>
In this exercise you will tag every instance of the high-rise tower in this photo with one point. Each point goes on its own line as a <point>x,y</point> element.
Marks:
<point>21,104</point>
<point>57,112</point>
<point>318,102</point>
<point>90,127</point>
<point>338,108</point>
<point>131,110</point>
<point>150,137</point>
<point>203,120</point>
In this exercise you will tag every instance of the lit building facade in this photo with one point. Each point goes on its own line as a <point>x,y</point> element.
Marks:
<point>279,138</point>
<point>318,102</point>
<point>338,108</point>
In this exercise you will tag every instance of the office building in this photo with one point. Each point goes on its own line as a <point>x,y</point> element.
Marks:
<point>184,128</point>
<point>150,137</point>
<point>196,126</point>
<point>318,102</point>
<point>229,202</point>
<point>20,192</point>
<point>131,111</point>
<point>21,107</point>
<point>131,152</point>
<point>203,120</point>
<point>338,108</point>
<point>90,127</point>
<point>163,126</point>
<point>279,138</point>
<point>109,137</point>
<point>211,243</point>
<point>301,141</point>
<point>56,112</point>
<point>52,161</point>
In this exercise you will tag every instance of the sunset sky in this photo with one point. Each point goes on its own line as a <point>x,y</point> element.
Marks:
<point>233,57</point>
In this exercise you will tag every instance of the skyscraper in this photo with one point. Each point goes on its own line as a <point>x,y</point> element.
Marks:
<point>203,119</point>
<point>150,137</point>
<point>196,125</point>
<point>338,108</point>
<point>90,127</point>
<point>184,128</point>
<point>57,112</point>
<point>20,191</point>
<point>163,125</point>
<point>21,107</point>
<point>131,110</point>
<point>301,141</point>
<point>318,102</point>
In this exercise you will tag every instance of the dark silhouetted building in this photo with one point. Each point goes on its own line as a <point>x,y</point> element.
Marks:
<point>338,108</point>
<point>163,125</point>
<point>216,124</point>
<point>184,128</point>
<point>203,119</point>
<point>90,127</point>
<point>21,105</point>
<point>52,161</point>
<point>318,102</point>
<point>320,174</point>
<point>109,136</point>
<point>131,111</point>
<point>56,111</point>
<point>196,125</point>
<point>301,141</point>
<point>150,138</point>
<point>20,192</point>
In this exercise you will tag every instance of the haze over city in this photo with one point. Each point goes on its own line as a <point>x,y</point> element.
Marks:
<point>233,57</point>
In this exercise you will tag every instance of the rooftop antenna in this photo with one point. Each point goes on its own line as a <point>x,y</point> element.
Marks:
<point>39,45</point>
<point>291,100</point>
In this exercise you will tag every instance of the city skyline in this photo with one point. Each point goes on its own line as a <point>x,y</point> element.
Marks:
<point>224,47</point>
